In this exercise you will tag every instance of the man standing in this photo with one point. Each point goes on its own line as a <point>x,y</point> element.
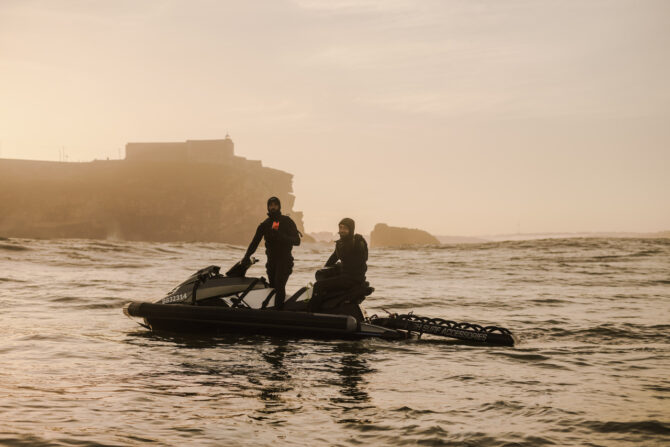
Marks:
<point>281,234</point>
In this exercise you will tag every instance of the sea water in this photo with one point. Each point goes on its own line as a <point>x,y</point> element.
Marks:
<point>592,366</point>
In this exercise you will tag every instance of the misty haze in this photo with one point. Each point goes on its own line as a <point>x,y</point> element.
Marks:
<point>334,222</point>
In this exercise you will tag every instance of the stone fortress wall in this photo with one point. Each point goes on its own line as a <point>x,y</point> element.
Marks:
<point>197,190</point>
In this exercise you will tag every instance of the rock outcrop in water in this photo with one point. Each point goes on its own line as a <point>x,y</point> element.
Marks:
<point>190,191</point>
<point>385,236</point>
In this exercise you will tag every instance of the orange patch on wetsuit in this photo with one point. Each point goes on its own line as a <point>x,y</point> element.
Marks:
<point>275,225</point>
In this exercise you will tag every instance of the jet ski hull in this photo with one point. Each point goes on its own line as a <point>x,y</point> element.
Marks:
<point>210,302</point>
<point>188,318</point>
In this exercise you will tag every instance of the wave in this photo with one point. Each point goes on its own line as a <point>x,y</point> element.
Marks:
<point>12,280</point>
<point>67,299</point>
<point>109,246</point>
<point>644,253</point>
<point>13,247</point>
<point>525,357</point>
<point>548,301</point>
<point>28,441</point>
<point>436,435</point>
<point>612,332</point>
<point>639,247</point>
<point>412,412</point>
<point>124,266</point>
<point>165,250</point>
<point>658,388</point>
<point>651,426</point>
<point>502,405</point>
<point>105,303</point>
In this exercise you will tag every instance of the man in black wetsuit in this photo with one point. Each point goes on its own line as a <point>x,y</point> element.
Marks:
<point>281,234</point>
<point>351,251</point>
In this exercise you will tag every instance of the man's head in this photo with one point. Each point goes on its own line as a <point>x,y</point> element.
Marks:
<point>274,205</point>
<point>346,227</point>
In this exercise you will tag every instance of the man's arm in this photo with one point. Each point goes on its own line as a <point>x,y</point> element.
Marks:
<point>363,249</point>
<point>294,235</point>
<point>332,260</point>
<point>359,263</point>
<point>255,241</point>
<point>291,234</point>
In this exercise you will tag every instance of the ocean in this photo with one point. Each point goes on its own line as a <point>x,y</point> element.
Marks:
<point>592,367</point>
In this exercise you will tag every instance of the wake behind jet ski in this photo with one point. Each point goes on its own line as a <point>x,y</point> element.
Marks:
<point>209,301</point>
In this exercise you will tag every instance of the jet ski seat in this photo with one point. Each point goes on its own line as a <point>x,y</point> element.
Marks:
<point>346,302</point>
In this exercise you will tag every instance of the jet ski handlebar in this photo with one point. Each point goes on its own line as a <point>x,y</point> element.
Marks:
<point>241,267</point>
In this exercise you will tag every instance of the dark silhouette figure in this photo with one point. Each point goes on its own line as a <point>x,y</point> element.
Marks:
<point>348,264</point>
<point>280,234</point>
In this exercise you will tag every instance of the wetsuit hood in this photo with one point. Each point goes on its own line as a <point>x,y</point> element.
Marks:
<point>274,199</point>
<point>349,223</point>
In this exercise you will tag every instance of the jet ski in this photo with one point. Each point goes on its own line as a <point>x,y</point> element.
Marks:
<point>209,301</point>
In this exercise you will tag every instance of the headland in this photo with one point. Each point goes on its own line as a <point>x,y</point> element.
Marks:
<point>196,190</point>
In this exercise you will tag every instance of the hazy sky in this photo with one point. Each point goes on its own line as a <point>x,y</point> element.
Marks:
<point>459,117</point>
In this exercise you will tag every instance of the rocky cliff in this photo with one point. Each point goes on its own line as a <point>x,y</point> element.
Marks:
<point>185,192</point>
<point>385,236</point>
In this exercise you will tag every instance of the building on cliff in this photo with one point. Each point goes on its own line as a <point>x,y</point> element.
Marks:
<point>197,190</point>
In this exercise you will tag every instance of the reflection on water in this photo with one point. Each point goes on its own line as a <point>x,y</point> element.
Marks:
<point>353,366</point>
<point>278,377</point>
<point>272,368</point>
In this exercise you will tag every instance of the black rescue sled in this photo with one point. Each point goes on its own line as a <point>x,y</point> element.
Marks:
<point>211,302</point>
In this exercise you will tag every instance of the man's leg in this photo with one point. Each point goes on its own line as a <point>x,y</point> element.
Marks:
<point>280,283</point>
<point>284,270</point>
<point>321,289</point>
<point>328,287</point>
<point>271,269</point>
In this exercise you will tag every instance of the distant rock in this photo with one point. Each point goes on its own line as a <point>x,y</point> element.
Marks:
<point>386,236</point>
